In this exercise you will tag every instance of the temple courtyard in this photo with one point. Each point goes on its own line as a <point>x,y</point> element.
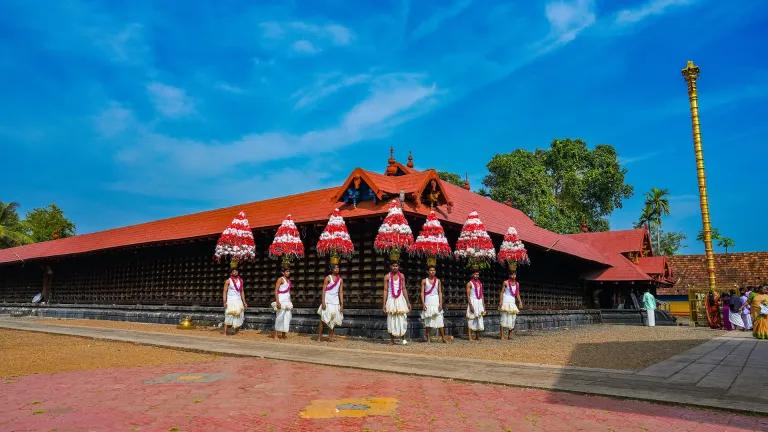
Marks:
<point>102,375</point>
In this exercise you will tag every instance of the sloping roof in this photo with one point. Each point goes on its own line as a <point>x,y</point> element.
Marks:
<point>622,241</point>
<point>731,270</point>
<point>315,206</point>
<point>653,265</point>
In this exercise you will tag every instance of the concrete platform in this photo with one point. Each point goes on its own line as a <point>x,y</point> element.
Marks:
<point>708,375</point>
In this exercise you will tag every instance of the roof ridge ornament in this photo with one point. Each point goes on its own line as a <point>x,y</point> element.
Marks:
<point>391,163</point>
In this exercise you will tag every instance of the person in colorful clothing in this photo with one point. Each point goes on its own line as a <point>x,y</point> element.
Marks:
<point>234,302</point>
<point>475,306</point>
<point>282,305</point>
<point>396,303</point>
<point>509,299</point>
<point>725,309</point>
<point>745,311</point>
<point>760,303</point>
<point>432,299</point>
<point>331,309</point>
<point>649,304</point>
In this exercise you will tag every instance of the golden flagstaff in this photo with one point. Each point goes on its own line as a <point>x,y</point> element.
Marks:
<point>691,73</point>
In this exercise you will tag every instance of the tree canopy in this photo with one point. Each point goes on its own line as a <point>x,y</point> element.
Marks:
<point>40,224</point>
<point>11,229</point>
<point>561,187</point>
<point>450,177</point>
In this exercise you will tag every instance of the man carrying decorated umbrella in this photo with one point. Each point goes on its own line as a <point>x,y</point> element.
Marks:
<point>236,242</point>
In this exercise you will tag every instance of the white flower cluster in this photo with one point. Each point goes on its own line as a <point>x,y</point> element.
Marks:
<point>476,253</point>
<point>244,233</point>
<point>336,220</point>
<point>400,228</point>
<point>516,245</point>
<point>235,251</point>
<point>286,238</point>
<point>432,239</point>
<point>336,235</point>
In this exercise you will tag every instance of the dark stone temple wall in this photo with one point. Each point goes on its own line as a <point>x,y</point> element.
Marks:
<point>184,274</point>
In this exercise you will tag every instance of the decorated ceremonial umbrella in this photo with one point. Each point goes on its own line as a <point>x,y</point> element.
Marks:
<point>512,250</point>
<point>287,244</point>
<point>431,241</point>
<point>394,233</point>
<point>474,243</point>
<point>236,242</point>
<point>335,240</point>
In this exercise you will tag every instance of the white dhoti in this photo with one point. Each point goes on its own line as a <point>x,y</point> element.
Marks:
<point>432,315</point>
<point>235,311</point>
<point>651,313</point>
<point>508,313</point>
<point>397,316</point>
<point>747,318</point>
<point>283,314</point>
<point>475,319</point>
<point>331,315</point>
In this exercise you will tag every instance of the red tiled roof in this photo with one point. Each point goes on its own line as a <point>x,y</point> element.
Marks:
<point>314,206</point>
<point>732,269</point>
<point>612,244</point>
<point>615,241</point>
<point>653,265</point>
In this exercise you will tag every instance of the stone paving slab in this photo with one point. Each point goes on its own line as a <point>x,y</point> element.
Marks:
<point>621,384</point>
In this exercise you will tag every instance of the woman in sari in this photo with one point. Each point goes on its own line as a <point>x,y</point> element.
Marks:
<point>725,308</point>
<point>712,303</point>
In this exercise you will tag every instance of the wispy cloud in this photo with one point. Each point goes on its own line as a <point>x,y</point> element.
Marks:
<point>568,19</point>
<point>306,38</point>
<point>627,160</point>
<point>170,101</point>
<point>648,9</point>
<point>113,120</point>
<point>431,24</point>
<point>228,88</point>
<point>326,86</point>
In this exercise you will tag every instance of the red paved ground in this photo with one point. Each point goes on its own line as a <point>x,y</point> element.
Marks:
<point>263,395</point>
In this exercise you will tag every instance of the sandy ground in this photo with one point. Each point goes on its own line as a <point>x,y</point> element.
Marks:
<point>598,346</point>
<point>25,353</point>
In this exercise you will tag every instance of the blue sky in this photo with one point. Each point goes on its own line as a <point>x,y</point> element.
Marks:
<point>153,109</point>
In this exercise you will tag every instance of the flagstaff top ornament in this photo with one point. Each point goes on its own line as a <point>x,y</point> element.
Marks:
<point>474,243</point>
<point>431,241</point>
<point>335,240</point>
<point>287,243</point>
<point>394,233</point>
<point>512,250</point>
<point>236,242</point>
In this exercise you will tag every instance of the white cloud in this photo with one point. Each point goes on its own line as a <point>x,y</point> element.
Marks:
<point>392,100</point>
<point>626,160</point>
<point>648,9</point>
<point>304,46</point>
<point>431,24</point>
<point>326,86</point>
<point>340,35</point>
<point>171,101</point>
<point>127,45</point>
<point>228,88</point>
<point>113,120</point>
<point>568,19</point>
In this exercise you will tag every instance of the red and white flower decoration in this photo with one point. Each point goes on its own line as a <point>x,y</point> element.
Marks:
<point>236,241</point>
<point>394,232</point>
<point>474,242</point>
<point>287,241</point>
<point>512,249</point>
<point>431,240</point>
<point>335,239</point>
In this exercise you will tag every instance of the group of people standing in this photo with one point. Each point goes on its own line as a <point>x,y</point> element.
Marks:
<point>396,304</point>
<point>745,309</point>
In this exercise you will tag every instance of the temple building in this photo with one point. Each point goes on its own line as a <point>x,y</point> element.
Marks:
<point>165,267</point>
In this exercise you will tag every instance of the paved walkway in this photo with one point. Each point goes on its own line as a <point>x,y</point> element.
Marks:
<point>729,372</point>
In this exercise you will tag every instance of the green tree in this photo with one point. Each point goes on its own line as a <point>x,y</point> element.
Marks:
<point>11,228</point>
<point>560,187</point>
<point>670,243</point>
<point>48,223</point>
<point>714,233</point>
<point>656,207</point>
<point>450,177</point>
<point>725,242</point>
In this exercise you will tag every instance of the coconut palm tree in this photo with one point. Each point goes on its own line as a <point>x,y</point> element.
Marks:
<point>11,232</point>
<point>726,242</point>
<point>656,207</point>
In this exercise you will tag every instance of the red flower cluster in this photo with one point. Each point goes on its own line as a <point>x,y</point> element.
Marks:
<point>512,249</point>
<point>335,238</point>
<point>287,240</point>
<point>431,240</point>
<point>236,241</point>
<point>394,233</point>
<point>474,241</point>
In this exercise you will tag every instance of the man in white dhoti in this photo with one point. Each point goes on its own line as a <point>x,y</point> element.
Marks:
<point>649,304</point>
<point>509,299</point>
<point>475,306</point>
<point>432,299</point>
<point>737,322</point>
<point>396,303</point>
<point>331,309</point>
<point>282,305</point>
<point>234,302</point>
